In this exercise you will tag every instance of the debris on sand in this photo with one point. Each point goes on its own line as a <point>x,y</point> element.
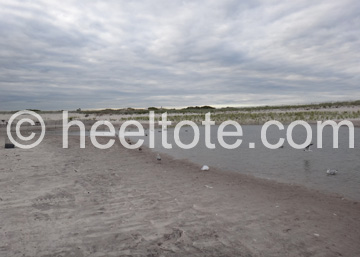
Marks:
<point>9,146</point>
<point>331,172</point>
<point>205,167</point>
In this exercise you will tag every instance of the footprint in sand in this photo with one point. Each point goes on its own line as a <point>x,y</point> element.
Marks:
<point>49,201</point>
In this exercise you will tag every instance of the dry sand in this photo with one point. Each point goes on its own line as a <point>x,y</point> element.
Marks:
<point>119,202</point>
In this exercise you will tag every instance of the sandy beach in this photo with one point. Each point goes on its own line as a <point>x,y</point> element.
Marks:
<point>120,202</point>
<point>243,119</point>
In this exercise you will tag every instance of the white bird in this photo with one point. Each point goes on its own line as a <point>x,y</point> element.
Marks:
<point>307,149</point>
<point>158,157</point>
<point>331,172</point>
<point>205,167</point>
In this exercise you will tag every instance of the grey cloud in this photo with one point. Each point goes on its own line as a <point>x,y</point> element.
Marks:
<point>103,54</point>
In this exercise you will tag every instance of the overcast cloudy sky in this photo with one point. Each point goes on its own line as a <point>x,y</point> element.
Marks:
<point>97,54</point>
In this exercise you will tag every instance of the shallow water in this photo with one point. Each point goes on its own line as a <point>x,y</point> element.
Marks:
<point>284,164</point>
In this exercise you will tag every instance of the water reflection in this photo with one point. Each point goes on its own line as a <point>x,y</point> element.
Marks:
<point>306,165</point>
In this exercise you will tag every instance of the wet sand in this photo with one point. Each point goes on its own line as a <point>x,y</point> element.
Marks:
<point>119,202</point>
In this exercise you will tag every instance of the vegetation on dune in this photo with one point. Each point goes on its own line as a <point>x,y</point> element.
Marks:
<point>205,109</point>
<point>246,115</point>
<point>256,118</point>
<point>243,115</point>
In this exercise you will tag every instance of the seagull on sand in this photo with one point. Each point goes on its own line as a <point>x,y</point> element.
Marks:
<point>331,172</point>
<point>158,157</point>
<point>307,149</point>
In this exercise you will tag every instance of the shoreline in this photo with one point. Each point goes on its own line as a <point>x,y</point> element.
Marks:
<point>342,192</point>
<point>91,202</point>
<point>76,137</point>
<point>57,124</point>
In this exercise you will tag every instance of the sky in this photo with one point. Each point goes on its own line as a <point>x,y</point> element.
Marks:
<point>64,55</point>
